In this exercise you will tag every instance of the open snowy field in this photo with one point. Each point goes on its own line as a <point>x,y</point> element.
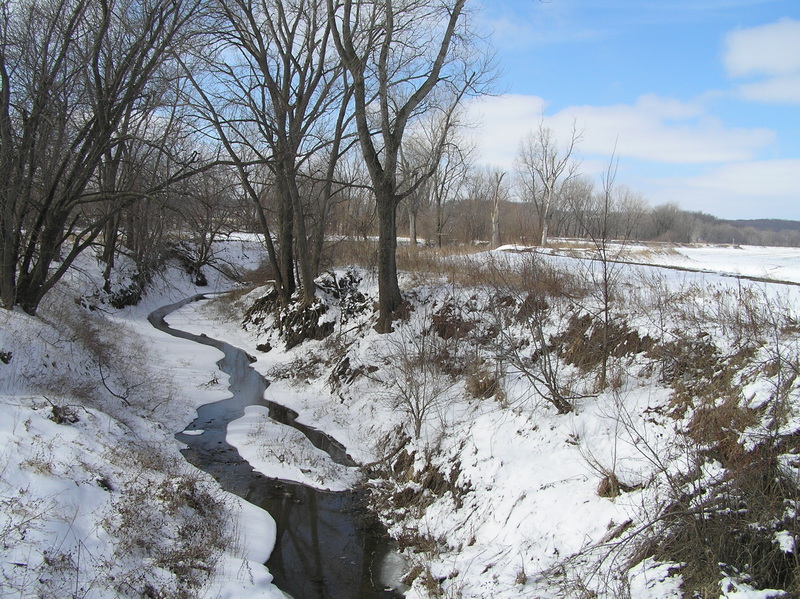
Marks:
<point>776,264</point>
<point>770,263</point>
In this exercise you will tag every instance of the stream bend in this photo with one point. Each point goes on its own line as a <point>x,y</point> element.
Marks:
<point>327,543</point>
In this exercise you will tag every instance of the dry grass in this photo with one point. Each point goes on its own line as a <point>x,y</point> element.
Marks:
<point>351,252</point>
<point>178,526</point>
<point>731,529</point>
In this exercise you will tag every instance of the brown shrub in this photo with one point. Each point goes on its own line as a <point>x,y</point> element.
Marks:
<point>483,384</point>
<point>730,529</point>
<point>587,342</point>
<point>717,428</point>
<point>449,323</point>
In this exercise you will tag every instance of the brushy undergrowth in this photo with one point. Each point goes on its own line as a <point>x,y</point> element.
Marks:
<point>110,508</point>
<point>722,497</point>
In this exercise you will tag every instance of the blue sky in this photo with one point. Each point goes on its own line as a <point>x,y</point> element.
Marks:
<point>701,98</point>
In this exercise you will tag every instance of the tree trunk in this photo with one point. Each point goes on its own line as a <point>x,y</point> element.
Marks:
<point>389,297</point>
<point>546,218</point>
<point>395,112</point>
<point>496,222</point>
<point>285,243</point>
<point>304,256</point>
<point>8,263</point>
<point>439,223</point>
<point>32,276</point>
<point>496,210</point>
<point>110,237</point>
<point>412,227</point>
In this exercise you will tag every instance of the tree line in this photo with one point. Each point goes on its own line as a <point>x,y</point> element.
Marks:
<point>126,125</point>
<point>124,120</point>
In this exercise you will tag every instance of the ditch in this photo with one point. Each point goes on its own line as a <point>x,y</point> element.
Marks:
<point>328,544</point>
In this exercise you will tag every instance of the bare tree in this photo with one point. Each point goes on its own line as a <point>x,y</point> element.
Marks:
<point>412,55</point>
<point>497,194</point>
<point>452,171</point>
<point>332,185</point>
<point>356,216</point>
<point>76,79</point>
<point>413,158</point>
<point>206,204</point>
<point>543,168</point>
<point>533,353</point>
<point>575,199</point>
<point>479,208</point>
<point>631,209</point>
<point>434,145</point>
<point>474,207</point>
<point>599,222</point>
<point>141,163</point>
<point>277,98</point>
<point>414,378</point>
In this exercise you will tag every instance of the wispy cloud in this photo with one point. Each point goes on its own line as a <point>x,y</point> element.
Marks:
<point>652,129</point>
<point>750,189</point>
<point>515,25</point>
<point>514,33</point>
<point>503,120</point>
<point>779,90</point>
<point>758,178</point>
<point>696,6</point>
<point>663,130</point>
<point>771,55</point>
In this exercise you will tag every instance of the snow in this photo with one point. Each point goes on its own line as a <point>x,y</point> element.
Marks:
<point>526,479</point>
<point>650,579</point>
<point>245,574</point>
<point>733,589</point>
<point>279,451</point>
<point>69,490</point>
<point>785,541</point>
<point>777,264</point>
<point>532,474</point>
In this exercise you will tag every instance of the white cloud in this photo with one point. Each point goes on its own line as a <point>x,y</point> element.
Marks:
<point>516,26</point>
<point>766,178</point>
<point>652,129</point>
<point>516,33</point>
<point>661,144</point>
<point>750,189</point>
<point>503,120</point>
<point>772,49</point>
<point>662,130</point>
<point>784,90</point>
<point>771,53</point>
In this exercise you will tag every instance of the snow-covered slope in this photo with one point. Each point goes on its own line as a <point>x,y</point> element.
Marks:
<point>489,490</point>
<point>502,496</point>
<point>96,499</point>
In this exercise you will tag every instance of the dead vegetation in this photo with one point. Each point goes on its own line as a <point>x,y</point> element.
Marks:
<point>706,345</point>
<point>177,525</point>
<point>159,527</point>
<point>299,321</point>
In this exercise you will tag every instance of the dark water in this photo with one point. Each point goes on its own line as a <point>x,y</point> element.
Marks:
<point>327,547</point>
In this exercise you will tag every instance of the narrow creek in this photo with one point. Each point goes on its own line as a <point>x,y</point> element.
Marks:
<point>327,544</point>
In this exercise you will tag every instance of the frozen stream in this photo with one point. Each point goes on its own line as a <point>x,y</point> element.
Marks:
<point>327,544</point>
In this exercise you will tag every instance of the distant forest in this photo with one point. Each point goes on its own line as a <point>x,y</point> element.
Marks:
<point>469,220</point>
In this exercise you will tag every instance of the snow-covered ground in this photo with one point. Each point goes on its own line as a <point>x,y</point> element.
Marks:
<point>768,263</point>
<point>778,264</point>
<point>497,497</point>
<point>96,499</point>
<point>524,493</point>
